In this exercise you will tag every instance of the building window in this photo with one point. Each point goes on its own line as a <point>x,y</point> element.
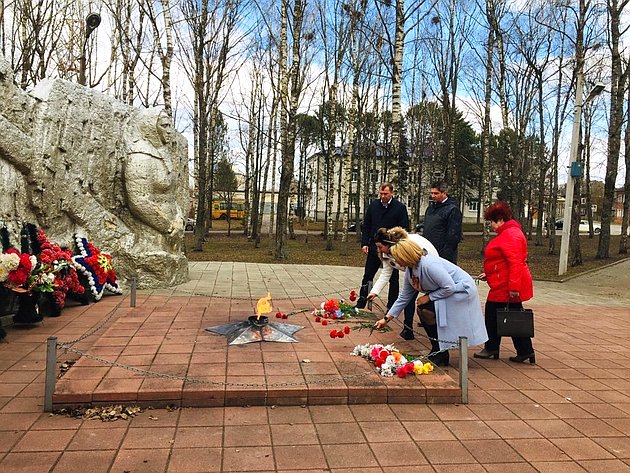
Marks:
<point>473,205</point>
<point>583,200</point>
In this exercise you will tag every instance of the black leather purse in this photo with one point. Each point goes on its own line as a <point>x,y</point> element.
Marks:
<point>512,322</point>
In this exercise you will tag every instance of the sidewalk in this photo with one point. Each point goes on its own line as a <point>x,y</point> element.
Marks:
<point>568,413</point>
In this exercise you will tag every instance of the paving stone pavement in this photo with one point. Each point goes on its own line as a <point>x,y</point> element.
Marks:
<point>568,413</point>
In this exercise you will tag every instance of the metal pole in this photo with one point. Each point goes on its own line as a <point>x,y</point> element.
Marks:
<point>51,362</point>
<point>82,63</point>
<point>132,299</point>
<point>91,23</point>
<point>463,368</point>
<point>568,202</point>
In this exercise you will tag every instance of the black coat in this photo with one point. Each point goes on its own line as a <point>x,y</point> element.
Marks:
<point>377,216</point>
<point>443,228</point>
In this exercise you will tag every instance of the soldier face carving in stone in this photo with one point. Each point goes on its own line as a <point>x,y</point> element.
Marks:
<point>164,127</point>
<point>149,180</point>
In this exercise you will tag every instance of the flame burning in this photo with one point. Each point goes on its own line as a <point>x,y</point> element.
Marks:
<point>263,306</point>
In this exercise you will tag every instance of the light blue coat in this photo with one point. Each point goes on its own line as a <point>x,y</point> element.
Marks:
<point>457,306</point>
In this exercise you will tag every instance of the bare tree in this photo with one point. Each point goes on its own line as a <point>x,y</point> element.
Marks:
<point>623,241</point>
<point>292,81</point>
<point>618,78</point>
<point>165,52</point>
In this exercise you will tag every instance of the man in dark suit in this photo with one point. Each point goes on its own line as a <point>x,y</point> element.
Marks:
<point>384,212</point>
<point>443,222</point>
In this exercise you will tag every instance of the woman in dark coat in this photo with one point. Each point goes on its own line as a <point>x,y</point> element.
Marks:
<point>506,271</point>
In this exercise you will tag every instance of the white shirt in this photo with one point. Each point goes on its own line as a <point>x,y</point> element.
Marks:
<point>389,264</point>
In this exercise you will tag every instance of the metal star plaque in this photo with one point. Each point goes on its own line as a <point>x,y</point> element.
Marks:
<point>256,330</point>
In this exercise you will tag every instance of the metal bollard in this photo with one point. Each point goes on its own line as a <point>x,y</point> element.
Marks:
<point>51,362</point>
<point>463,368</point>
<point>132,298</point>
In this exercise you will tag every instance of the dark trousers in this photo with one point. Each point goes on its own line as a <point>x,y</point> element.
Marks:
<point>372,265</point>
<point>410,311</point>
<point>523,345</point>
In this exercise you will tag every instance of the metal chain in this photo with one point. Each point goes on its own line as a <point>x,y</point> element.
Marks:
<point>97,327</point>
<point>423,335</point>
<point>187,379</point>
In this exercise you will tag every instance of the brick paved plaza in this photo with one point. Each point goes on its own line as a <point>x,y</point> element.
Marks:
<point>568,413</point>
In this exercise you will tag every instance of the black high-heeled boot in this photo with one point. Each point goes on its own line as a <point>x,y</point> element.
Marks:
<point>521,358</point>
<point>486,354</point>
<point>437,357</point>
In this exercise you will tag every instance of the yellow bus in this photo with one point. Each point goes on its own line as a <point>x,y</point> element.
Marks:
<point>220,210</point>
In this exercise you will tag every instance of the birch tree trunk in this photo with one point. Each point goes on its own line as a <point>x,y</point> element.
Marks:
<point>289,99</point>
<point>618,78</point>
<point>486,166</point>
<point>623,241</point>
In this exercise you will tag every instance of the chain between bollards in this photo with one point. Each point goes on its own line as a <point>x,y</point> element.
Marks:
<point>463,368</point>
<point>132,298</point>
<point>51,376</point>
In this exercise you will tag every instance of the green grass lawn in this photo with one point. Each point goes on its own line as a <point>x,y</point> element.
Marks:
<point>311,249</point>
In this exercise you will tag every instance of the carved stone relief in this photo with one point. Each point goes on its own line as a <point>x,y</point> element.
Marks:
<point>73,160</point>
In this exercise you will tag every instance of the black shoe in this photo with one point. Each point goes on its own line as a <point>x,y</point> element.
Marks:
<point>521,358</point>
<point>486,354</point>
<point>439,358</point>
<point>360,304</point>
<point>407,334</point>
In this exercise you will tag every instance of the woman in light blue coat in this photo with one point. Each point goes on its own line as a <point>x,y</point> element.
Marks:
<point>453,291</point>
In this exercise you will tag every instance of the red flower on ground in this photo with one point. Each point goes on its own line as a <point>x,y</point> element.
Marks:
<point>285,316</point>
<point>278,315</point>
<point>318,319</point>
<point>346,330</point>
<point>401,372</point>
<point>324,322</point>
<point>333,333</point>
<point>331,305</point>
<point>340,334</point>
<point>353,296</point>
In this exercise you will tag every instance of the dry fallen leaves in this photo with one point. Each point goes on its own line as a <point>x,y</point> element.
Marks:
<point>103,413</point>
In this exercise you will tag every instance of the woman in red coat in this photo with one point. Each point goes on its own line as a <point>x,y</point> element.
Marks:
<point>506,271</point>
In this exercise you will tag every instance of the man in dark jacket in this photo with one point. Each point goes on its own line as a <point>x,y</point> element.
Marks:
<point>443,222</point>
<point>384,212</point>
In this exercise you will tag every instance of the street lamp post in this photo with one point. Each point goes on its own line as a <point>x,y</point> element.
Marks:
<point>91,23</point>
<point>575,170</point>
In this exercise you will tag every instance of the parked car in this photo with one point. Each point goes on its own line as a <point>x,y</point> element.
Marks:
<point>583,226</point>
<point>353,227</point>
<point>190,224</point>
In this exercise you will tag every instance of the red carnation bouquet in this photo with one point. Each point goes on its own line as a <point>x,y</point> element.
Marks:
<point>15,269</point>
<point>55,272</point>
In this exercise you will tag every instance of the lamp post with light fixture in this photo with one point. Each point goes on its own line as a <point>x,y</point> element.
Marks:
<point>575,167</point>
<point>91,23</point>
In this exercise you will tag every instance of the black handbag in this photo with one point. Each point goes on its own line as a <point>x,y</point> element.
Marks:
<point>515,322</point>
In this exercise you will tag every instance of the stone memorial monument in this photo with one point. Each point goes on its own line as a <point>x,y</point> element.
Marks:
<point>73,160</point>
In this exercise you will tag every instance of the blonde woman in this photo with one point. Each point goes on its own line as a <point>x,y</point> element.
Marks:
<point>384,239</point>
<point>453,291</point>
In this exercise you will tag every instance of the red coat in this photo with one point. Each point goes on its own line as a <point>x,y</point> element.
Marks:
<point>505,264</point>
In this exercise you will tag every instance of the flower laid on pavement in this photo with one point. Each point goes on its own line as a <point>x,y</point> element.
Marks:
<point>336,309</point>
<point>389,361</point>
